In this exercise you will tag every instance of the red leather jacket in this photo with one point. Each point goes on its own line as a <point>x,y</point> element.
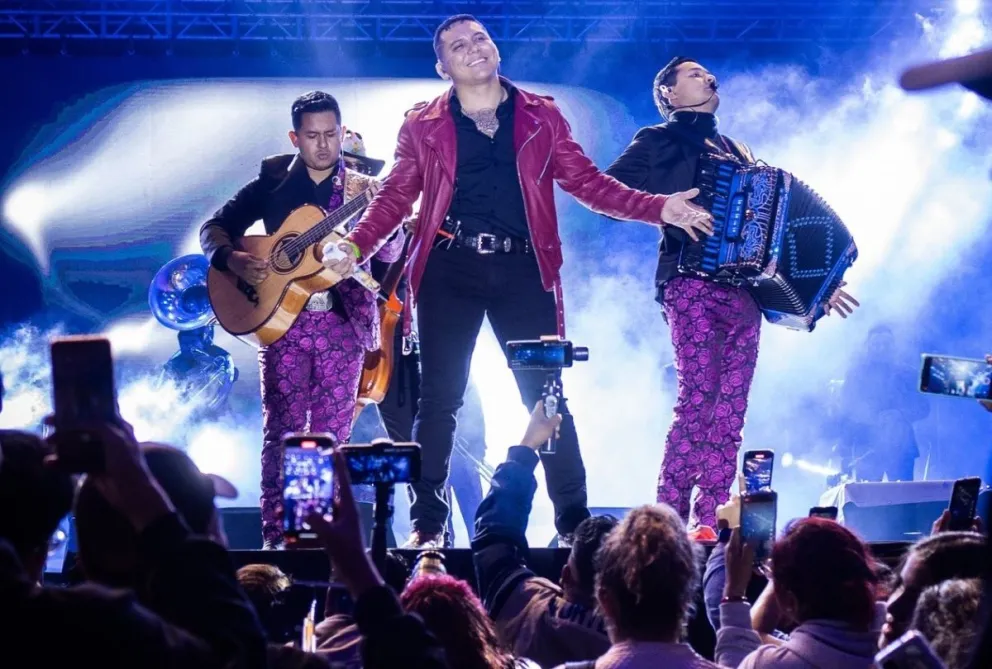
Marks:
<point>426,158</point>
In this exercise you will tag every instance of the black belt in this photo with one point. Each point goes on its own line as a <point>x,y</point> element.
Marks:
<point>451,235</point>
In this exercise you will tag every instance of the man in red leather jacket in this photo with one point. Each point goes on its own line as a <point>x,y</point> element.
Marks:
<point>483,157</point>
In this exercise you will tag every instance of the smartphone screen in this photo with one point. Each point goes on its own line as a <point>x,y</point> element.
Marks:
<point>758,513</point>
<point>383,462</point>
<point>956,377</point>
<point>964,502</point>
<point>82,393</point>
<point>828,512</point>
<point>539,354</point>
<point>757,469</point>
<point>308,479</point>
<point>910,651</point>
<point>83,381</point>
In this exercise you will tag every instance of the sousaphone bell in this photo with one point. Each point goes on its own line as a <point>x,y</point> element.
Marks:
<point>203,371</point>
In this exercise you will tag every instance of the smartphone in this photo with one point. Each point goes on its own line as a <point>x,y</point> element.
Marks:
<point>308,483</point>
<point>828,512</point>
<point>963,504</point>
<point>910,651</point>
<point>83,391</point>
<point>547,354</point>
<point>758,515</point>
<point>382,462</point>
<point>957,377</point>
<point>757,470</point>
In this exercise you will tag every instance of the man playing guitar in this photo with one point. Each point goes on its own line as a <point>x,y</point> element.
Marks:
<point>313,370</point>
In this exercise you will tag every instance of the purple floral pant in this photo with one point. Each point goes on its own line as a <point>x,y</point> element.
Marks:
<point>309,384</point>
<point>715,334</point>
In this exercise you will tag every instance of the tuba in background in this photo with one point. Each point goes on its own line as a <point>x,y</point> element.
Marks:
<point>203,371</point>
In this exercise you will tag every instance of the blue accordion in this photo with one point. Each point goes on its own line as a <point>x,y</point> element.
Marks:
<point>772,234</point>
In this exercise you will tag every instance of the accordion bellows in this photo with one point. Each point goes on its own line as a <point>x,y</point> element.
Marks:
<point>773,234</point>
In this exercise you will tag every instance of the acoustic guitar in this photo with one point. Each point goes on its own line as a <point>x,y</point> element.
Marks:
<point>266,311</point>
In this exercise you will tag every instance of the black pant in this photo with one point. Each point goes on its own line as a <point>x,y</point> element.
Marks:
<point>399,406</point>
<point>398,409</point>
<point>464,478</point>
<point>460,288</point>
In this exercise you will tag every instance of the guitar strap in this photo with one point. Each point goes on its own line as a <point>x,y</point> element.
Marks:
<point>337,192</point>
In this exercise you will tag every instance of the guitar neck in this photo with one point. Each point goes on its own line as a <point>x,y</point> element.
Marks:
<point>337,217</point>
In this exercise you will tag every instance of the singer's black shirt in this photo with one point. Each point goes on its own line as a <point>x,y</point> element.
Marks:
<point>487,195</point>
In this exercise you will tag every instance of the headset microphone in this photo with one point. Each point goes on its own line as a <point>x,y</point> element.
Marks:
<point>698,104</point>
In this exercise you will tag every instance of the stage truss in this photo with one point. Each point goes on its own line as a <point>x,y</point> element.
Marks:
<point>834,23</point>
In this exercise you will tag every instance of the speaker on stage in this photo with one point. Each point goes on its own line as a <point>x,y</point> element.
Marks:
<point>243,526</point>
<point>896,510</point>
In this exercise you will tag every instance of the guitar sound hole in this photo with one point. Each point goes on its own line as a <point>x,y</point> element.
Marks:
<point>286,257</point>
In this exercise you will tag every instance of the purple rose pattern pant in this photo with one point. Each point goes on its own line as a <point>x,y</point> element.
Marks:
<point>309,384</point>
<point>715,334</point>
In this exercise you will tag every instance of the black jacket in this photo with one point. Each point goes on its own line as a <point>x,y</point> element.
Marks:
<point>663,161</point>
<point>282,185</point>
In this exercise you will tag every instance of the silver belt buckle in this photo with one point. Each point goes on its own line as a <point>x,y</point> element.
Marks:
<point>485,236</point>
<point>322,301</point>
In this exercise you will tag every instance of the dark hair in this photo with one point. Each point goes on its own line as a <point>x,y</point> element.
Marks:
<point>33,497</point>
<point>264,584</point>
<point>587,539</point>
<point>447,23</point>
<point>314,102</point>
<point>948,555</point>
<point>949,616</point>
<point>651,569</point>
<point>828,570</point>
<point>453,613</point>
<point>666,77</point>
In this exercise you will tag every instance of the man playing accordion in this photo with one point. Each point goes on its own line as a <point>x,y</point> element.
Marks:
<point>715,325</point>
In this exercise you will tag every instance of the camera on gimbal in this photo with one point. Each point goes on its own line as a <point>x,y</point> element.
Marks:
<point>550,354</point>
<point>547,353</point>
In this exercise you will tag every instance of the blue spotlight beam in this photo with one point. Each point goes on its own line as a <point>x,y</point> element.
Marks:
<point>828,22</point>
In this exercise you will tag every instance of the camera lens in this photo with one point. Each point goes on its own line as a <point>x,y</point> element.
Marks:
<point>580,353</point>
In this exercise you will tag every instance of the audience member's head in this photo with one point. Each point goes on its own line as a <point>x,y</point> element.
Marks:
<point>266,586</point>
<point>949,616</point>
<point>33,498</point>
<point>578,576</point>
<point>822,571</point>
<point>938,558</point>
<point>454,614</point>
<point>647,572</point>
<point>108,543</point>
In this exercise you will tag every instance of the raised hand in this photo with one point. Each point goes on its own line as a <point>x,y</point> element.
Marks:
<point>341,535</point>
<point>841,302</point>
<point>540,428</point>
<point>339,257</point>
